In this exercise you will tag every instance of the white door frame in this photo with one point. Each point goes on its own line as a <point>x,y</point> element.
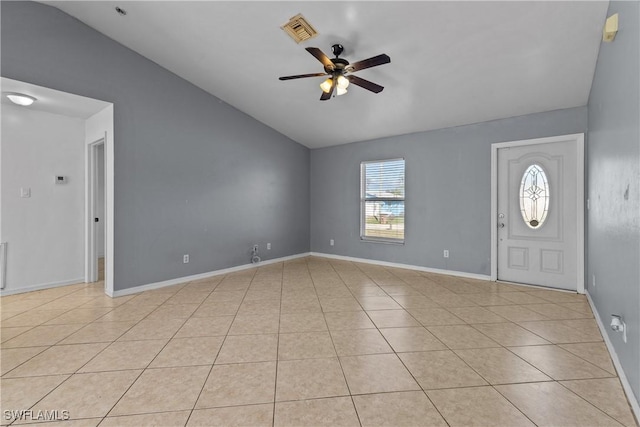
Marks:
<point>91,268</point>
<point>578,138</point>
<point>91,265</point>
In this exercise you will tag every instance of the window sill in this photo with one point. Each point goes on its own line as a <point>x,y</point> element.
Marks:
<point>383,241</point>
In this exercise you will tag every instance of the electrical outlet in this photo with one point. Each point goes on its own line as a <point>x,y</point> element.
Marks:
<point>331,242</point>
<point>446,253</point>
<point>268,246</point>
<point>185,259</point>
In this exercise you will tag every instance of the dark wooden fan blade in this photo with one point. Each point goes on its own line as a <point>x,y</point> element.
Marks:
<point>302,76</point>
<point>327,95</point>
<point>368,63</point>
<point>320,56</point>
<point>366,84</point>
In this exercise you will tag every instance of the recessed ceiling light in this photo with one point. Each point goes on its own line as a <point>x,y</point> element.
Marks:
<point>121,11</point>
<point>20,98</point>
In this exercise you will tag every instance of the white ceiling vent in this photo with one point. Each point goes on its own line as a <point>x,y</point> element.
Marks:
<point>299,29</point>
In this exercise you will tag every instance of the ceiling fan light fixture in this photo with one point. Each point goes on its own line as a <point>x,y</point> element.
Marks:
<point>326,85</point>
<point>342,83</point>
<point>21,99</point>
<point>341,90</point>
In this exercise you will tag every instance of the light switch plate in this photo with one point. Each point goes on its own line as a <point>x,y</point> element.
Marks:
<point>25,192</point>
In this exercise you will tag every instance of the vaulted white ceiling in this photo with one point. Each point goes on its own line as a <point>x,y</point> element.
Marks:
<point>452,63</point>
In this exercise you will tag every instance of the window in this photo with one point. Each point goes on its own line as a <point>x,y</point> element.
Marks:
<point>382,201</point>
<point>534,196</point>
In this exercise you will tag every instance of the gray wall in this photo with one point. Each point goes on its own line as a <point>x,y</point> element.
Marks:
<point>613,152</point>
<point>192,174</point>
<point>447,176</point>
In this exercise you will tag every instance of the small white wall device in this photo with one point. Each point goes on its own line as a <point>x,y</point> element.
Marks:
<point>610,28</point>
<point>618,325</point>
<point>61,179</point>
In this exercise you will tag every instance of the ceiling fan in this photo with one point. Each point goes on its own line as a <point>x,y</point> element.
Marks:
<point>339,69</point>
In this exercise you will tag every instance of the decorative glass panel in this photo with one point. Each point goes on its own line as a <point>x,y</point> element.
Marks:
<point>534,196</point>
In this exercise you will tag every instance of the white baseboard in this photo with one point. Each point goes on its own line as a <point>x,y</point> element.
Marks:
<point>163,284</point>
<point>633,401</point>
<point>6,292</point>
<point>405,266</point>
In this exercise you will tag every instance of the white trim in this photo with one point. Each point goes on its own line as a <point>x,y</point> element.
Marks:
<point>171,282</point>
<point>6,292</point>
<point>405,266</point>
<point>633,401</point>
<point>104,132</point>
<point>579,139</point>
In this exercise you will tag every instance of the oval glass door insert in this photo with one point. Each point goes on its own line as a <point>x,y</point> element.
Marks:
<point>534,196</point>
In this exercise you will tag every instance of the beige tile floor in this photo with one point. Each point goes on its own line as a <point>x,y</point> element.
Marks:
<point>310,342</point>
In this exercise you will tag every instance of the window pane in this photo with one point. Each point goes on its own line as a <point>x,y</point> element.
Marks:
<point>385,179</point>
<point>384,219</point>
<point>534,196</point>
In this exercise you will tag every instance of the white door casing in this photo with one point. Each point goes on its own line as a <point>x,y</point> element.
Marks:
<point>550,254</point>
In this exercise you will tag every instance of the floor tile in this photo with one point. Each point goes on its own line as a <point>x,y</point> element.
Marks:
<point>237,416</point>
<point>558,363</point>
<point>407,408</point>
<point>125,355</point>
<point>461,336</point>
<point>18,394</point>
<point>379,303</point>
<point>239,384</point>
<point>305,345</point>
<point>605,394</point>
<point>356,342</point>
<point>557,312</point>
<point>172,311</point>
<point>516,313</point>
<point>440,369</point>
<point>164,389</point>
<point>41,335</point>
<point>333,412</point>
<point>392,318</point>
<point>8,333</point>
<point>248,348</point>
<point>217,308</point>
<point>500,366</point>
<point>415,301</point>
<point>164,419</point>
<point>12,357</point>
<point>62,359</point>
<point>188,352</point>
<point>79,315</point>
<point>302,322</point>
<point>593,352</point>
<point>477,406</point>
<point>153,329</point>
<point>411,339</point>
<point>376,373</point>
<point>435,316</point>
<point>561,406</point>
<point>205,327</point>
<point>255,324</point>
<point>98,332</point>
<point>476,315</point>
<point>339,304</point>
<point>510,334</point>
<point>188,297</point>
<point>260,307</point>
<point>310,378</point>
<point>341,321</point>
<point>33,317</point>
<point>89,395</point>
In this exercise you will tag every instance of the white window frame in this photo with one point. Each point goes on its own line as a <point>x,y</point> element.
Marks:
<point>363,200</point>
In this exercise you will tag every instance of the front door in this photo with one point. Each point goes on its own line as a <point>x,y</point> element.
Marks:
<point>538,215</point>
